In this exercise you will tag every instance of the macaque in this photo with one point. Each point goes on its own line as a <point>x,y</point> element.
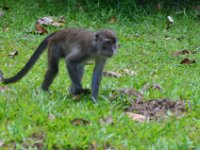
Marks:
<point>76,46</point>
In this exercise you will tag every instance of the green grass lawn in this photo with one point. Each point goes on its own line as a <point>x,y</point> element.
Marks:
<point>33,119</point>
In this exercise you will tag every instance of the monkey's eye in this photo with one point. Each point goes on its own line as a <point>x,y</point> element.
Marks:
<point>108,42</point>
<point>104,47</point>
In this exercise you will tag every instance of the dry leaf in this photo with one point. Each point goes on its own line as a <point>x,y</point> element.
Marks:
<point>77,97</point>
<point>62,19</point>
<point>45,21</point>
<point>182,52</point>
<point>80,121</point>
<point>13,54</point>
<point>108,147</point>
<point>129,72</point>
<point>112,74</point>
<point>113,19</point>
<point>136,117</point>
<point>57,24</point>
<point>3,88</point>
<point>51,117</point>
<point>40,29</point>
<point>1,143</point>
<point>170,22</point>
<point>108,120</point>
<point>132,92</point>
<point>149,86</point>
<point>187,61</point>
<point>170,19</point>
<point>50,21</point>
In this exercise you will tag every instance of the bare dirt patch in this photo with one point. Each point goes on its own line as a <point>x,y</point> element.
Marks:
<point>158,108</point>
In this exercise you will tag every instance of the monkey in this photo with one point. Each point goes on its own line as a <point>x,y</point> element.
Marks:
<point>76,46</point>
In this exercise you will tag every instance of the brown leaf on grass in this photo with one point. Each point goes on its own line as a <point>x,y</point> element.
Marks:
<point>80,121</point>
<point>51,117</point>
<point>129,72</point>
<point>148,86</point>
<point>45,21</point>
<point>108,120</point>
<point>40,29</point>
<point>3,88</point>
<point>132,92</point>
<point>13,54</point>
<point>136,117</point>
<point>38,139</point>
<point>170,22</point>
<point>112,74</point>
<point>182,52</point>
<point>187,61</point>
<point>108,147</point>
<point>112,19</point>
<point>1,143</point>
<point>50,21</point>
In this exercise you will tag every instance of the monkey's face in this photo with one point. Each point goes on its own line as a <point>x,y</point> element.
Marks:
<point>108,48</point>
<point>106,43</point>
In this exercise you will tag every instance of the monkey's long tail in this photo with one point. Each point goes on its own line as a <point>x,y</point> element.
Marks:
<point>30,63</point>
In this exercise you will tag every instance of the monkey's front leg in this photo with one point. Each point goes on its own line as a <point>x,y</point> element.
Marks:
<point>96,79</point>
<point>75,76</point>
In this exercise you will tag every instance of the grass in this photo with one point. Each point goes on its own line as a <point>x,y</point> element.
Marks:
<point>25,110</point>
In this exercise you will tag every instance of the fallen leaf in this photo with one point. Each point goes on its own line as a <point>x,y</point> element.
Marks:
<point>77,97</point>
<point>136,117</point>
<point>45,21</point>
<point>108,120</point>
<point>129,72</point>
<point>51,117</point>
<point>170,22</point>
<point>40,29</point>
<point>1,143</point>
<point>3,88</point>
<point>13,54</point>
<point>182,52</point>
<point>57,24</point>
<point>148,86</point>
<point>170,19</point>
<point>108,147</point>
<point>50,21</point>
<point>61,19</point>
<point>112,74</point>
<point>132,92</point>
<point>187,61</point>
<point>79,121</point>
<point>113,19</point>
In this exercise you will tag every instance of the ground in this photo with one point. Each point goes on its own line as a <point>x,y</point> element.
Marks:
<point>31,118</point>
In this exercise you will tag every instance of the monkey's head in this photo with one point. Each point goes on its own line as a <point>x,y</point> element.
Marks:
<point>106,42</point>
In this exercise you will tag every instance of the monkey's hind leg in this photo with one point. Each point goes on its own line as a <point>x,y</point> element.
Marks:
<point>53,60</point>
